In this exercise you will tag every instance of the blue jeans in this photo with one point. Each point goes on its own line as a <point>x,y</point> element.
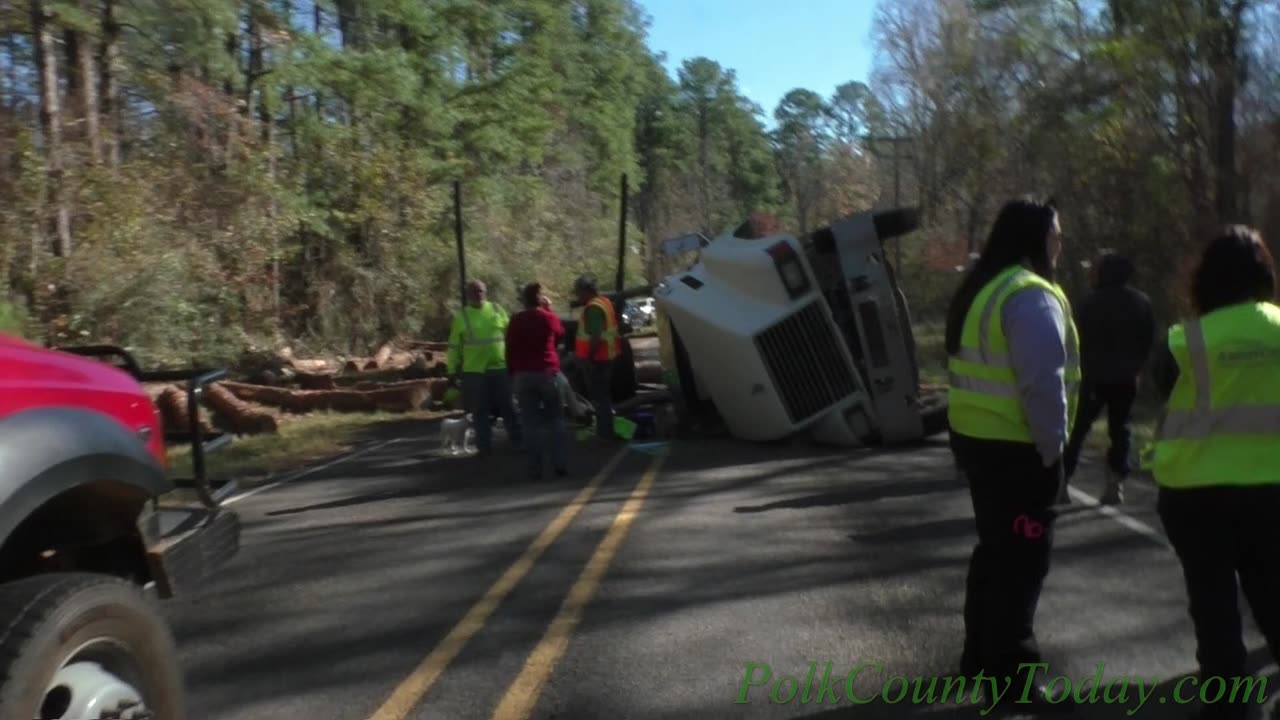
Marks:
<point>542,412</point>
<point>484,392</point>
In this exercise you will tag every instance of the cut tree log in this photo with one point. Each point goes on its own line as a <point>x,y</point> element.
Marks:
<point>314,366</point>
<point>435,347</point>
<point>242,417</point>
<point>383,354</point>
<point>377,386</point>
<point>405,398</point>
<point>400,397</point>
<point>316,381</point>
<point>400,360</point>
<point>172,403</point>
<point>383,376</point>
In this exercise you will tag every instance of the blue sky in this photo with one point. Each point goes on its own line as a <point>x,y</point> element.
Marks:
<point>772,45</point>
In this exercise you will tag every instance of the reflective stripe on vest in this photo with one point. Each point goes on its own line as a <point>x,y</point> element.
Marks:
<point>1204,421</point>
<point>612,344</point>
<point>1222,426</point>
<point>988,404</point>
<point>481,344</point>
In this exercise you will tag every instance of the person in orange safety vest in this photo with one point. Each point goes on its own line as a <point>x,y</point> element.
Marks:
<point>596,344</point>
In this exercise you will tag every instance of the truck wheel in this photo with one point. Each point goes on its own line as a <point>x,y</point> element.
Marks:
<point>76,646</point>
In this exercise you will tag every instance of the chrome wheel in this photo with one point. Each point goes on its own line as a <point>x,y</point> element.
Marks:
<point>92,685</point>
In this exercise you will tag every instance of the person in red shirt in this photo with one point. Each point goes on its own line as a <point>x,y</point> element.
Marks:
<point>533,359</point>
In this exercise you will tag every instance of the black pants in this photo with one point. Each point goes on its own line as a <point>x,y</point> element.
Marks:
<point>601,385</point>
<point>1220,534</point>
<point>1117,399</point>
<point>1013,494</point>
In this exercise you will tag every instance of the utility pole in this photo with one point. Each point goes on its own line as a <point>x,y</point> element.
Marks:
<point>897,141</point>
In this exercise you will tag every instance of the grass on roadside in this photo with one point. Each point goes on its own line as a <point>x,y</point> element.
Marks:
<point>302,440</point>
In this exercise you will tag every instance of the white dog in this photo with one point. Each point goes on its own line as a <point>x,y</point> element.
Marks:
<point>457,436</point>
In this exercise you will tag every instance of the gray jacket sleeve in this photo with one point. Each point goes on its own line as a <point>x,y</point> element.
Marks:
<point>1034,323</point>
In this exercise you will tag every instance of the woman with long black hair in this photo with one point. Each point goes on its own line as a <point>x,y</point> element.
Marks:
<point>1014,376</point>
<point>1216,458</point>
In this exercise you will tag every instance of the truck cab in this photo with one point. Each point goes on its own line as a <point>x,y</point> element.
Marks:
<point>781,335</point>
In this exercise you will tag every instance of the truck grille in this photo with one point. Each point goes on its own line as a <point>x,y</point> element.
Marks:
<point>805,363</point>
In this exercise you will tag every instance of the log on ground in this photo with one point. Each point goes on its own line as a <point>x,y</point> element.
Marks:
<point>240,415</point>
<point>435,347</point>
<point>354,379</point>
<point>405,398</point>
<point>316,381</point>
<point>397,398</point>
<point>383,354</point>
<point>314,366</point>
<point>172,404</point>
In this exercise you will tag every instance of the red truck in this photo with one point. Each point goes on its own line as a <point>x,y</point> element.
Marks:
<point>91,530</point>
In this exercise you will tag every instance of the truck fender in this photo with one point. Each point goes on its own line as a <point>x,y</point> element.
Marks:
<point>48,451</point>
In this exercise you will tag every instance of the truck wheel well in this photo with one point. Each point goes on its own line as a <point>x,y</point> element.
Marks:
<point>89,528</point>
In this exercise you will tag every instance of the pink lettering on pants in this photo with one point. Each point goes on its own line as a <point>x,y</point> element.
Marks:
<point>1026,527</point>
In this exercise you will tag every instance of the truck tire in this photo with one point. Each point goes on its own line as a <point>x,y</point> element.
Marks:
<point>74,641</point>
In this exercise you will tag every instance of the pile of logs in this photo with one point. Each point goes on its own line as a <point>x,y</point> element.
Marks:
<point>391,380</point>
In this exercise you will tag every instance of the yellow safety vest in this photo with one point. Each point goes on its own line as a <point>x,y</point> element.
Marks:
<point>983,400</point>
<point>1222,422</point>
<point>478,339</point>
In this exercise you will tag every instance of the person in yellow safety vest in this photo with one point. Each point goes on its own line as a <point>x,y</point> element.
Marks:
<point>1216,454</point>
<point>477,351</point>
<point>596,345</point>
<point>1014,370</point>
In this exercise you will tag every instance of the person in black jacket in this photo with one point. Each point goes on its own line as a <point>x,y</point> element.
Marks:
<point>1117,331</point>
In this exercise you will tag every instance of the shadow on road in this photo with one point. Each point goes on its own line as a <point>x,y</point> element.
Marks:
<point>933,530</point>
<point>857,495</point>
<point>408,471</point>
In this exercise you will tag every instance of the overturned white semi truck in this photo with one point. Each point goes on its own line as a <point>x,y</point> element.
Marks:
<point>783,335</point>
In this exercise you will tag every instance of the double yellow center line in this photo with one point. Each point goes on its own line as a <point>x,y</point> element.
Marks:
<point>519,701</point>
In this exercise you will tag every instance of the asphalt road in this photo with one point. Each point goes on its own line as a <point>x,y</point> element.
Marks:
<point>399,584</point>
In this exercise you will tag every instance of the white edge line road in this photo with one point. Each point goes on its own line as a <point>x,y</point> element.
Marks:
<point>307,471</point>
<point>1121,517</point>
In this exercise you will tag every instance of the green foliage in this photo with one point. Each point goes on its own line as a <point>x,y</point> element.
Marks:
<point>1113,107</point>
<point>287,182</point>
<point>12,320</point>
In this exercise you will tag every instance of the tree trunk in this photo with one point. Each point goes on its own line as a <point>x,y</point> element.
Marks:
<point>319,27</point>
<point>1227,75</point>
<point>82,88</point>
<point>254,69</point>
<point>232,47</point>
<point>51,123</point>
<point>108,63</point>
